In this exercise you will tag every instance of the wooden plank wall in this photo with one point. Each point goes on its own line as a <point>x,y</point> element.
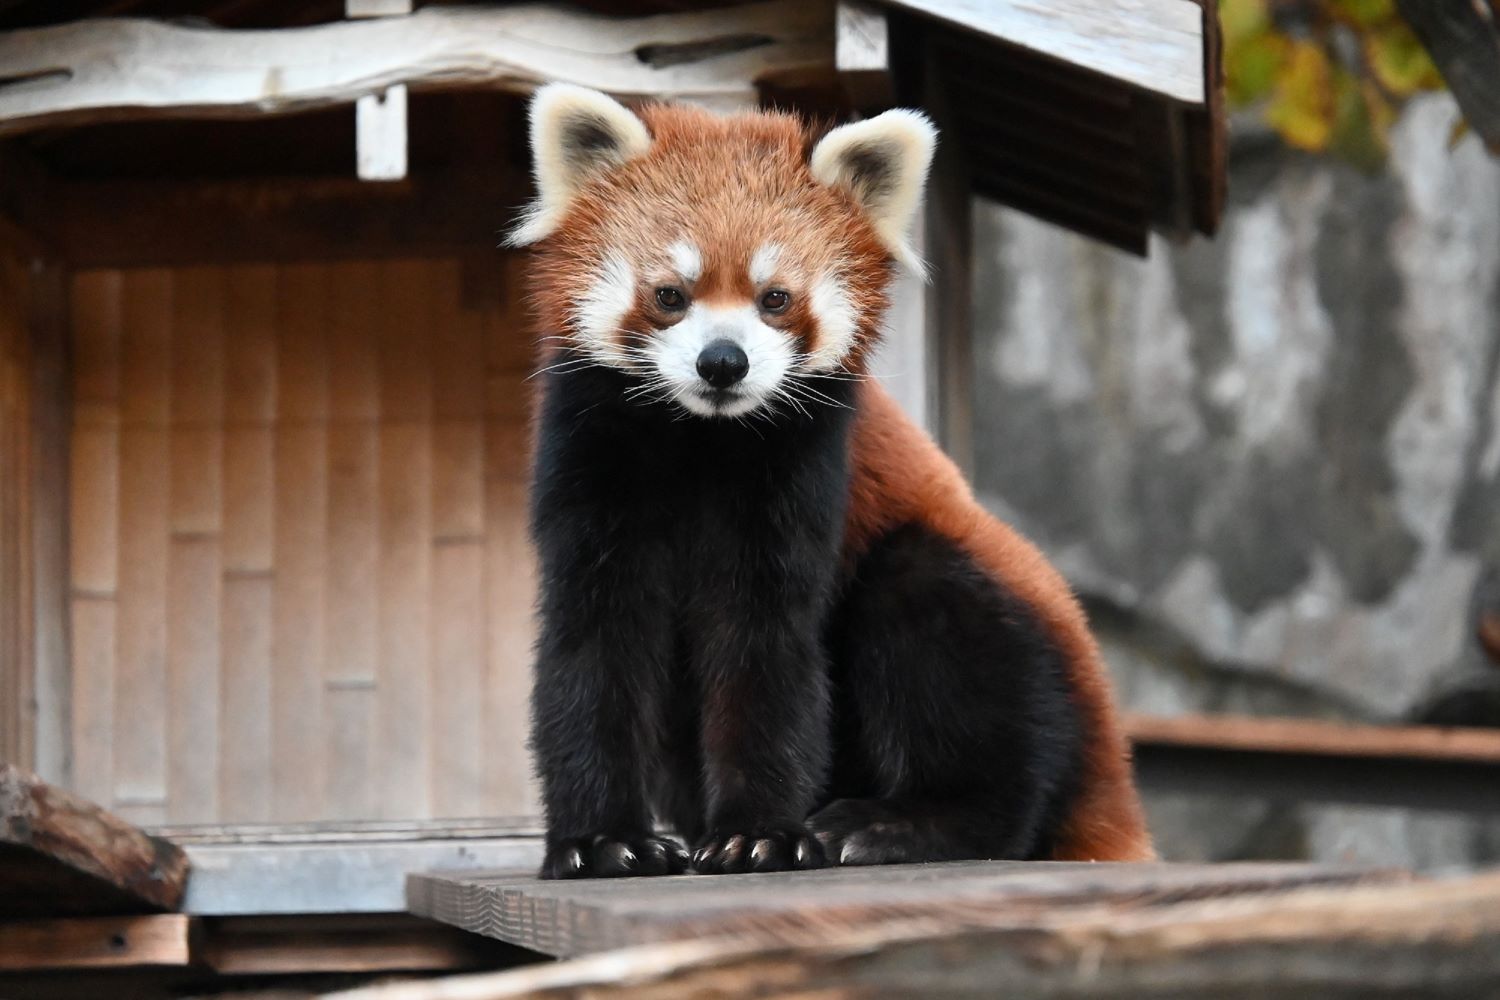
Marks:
<point>15,652</point>
<point>300,582</point>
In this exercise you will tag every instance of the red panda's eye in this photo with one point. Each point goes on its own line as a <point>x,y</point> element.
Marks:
<point>670,299</point>
<point>775,300</point>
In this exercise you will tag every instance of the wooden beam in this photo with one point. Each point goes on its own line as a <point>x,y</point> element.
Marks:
<point>862,54</point>
<point>1290,760</point>
<point>1463,38</point>
<point>50,394</point>
<point>1316,738</point>
<point>159,223</point>
<point>338,867</point>
<point>380,119</point>
<point>61,855</point>
<point>343,943</point>
<point>1156,45</point>
<point>96,70</point>
<point>97,942</point>
<point>949,250</point>
<point>380,135</point>
<point>1439,938</point>
<point>583,917</point>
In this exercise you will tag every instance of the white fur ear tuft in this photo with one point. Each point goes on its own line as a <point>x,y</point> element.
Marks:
<point>883,163</point>
<point>575,134</point>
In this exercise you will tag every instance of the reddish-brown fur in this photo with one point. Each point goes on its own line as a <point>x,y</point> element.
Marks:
<point>734,184</point>
<point>900,477</point>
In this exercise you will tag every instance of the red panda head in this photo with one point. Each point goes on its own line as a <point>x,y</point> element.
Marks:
<point>719,259</point>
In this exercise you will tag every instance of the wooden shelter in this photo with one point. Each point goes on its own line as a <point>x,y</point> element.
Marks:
<point>263,438</point>
<point>264,585</point>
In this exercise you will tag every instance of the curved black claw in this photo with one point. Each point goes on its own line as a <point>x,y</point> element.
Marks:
<point>614,856</point>
<point>866,832</point>
<point>726,852</point>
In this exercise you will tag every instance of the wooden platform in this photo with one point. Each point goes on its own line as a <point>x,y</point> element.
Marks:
<point>593,915</point>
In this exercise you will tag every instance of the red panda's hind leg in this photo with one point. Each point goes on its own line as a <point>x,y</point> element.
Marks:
<point>957,735</point>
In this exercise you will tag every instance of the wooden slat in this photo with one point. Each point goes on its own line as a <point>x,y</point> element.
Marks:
<point>356,943</point>
<point>140,706</point>
<point>96,943</point>
<point>402,743</point>
<point>137,68</point>
<point>1156,45</point>
<point>587,916</point>
<point>298,648</point>
<point>48,470</point>
<point>193,684</point>
<point>60,854</point>
<point>315,536</point>
<point>1317,738</point>
<point>405,336</point>
<point>1439,938</point>
<point>458,679</point>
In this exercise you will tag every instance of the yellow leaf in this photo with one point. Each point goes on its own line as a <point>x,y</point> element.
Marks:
<point>1302,109</point>
<point>1400,62</point>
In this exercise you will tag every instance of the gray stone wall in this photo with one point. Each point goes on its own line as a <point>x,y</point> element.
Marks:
<point>1270,462</point>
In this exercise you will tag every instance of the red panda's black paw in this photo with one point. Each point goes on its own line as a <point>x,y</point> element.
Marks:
<point>776,850</point>
<point>605,856</point>
<point>865,832</point>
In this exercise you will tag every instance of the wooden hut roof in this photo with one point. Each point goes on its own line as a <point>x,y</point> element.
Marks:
<point>1102,116</point>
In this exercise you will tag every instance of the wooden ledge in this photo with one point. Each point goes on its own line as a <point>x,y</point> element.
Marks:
<point>1317,738</point>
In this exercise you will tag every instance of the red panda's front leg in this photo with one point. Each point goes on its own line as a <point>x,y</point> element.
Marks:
<point>765,735</point>
<point>600,680</point>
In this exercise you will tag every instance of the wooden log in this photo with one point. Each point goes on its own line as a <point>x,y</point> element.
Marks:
<point>115,69</point>
<point>97,942</point>
<point>61,855</point>
<point>592,915</point>
<point>1428,939</point>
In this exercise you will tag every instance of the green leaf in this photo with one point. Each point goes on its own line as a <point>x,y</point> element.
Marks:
<point>1365,12</point>
<point>1400,62</point>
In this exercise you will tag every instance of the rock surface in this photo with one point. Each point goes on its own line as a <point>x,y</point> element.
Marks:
<point>1270,462</point>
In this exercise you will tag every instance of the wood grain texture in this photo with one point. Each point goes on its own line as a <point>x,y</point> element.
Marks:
<point>123,69</point>
<point>1156,45</point>
<point>1438,938</point>
<point>16,673</point>
<point>97,942</point>
<point>311,547</point>
<point>1316,738</point>
<point>586,916</point>
<point>63,855</point>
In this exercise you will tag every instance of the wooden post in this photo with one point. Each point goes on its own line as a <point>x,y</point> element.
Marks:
<point>48,731</point>
<point>380,118</point>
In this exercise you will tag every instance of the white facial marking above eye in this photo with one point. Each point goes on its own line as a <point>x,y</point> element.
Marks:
<point>837,323</point>
<point>603,306</point>
<point>686,259</point>
<point>763,264</point>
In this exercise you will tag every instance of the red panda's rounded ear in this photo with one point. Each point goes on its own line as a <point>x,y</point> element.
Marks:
<point>575,134</point>
<point>883,163</point>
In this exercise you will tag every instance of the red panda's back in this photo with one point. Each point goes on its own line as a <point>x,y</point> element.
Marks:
<point>900,477</point>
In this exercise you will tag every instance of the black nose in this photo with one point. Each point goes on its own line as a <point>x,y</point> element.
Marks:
<point>722,364</point>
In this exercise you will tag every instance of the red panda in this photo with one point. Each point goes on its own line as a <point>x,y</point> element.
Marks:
<point>772,617</point>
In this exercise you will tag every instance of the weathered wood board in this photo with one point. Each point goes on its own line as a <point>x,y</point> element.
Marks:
<point>592,915</point>
<point>1373,938</point>
<point>63,856</point>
